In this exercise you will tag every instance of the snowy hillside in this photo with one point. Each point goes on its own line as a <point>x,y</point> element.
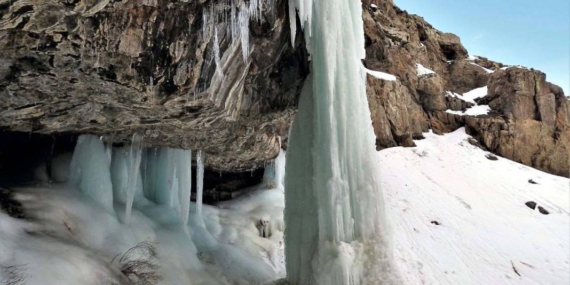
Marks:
<point>460,218</point>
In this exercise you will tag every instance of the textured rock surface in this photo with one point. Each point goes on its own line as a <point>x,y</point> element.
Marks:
<point>529,121</point>
<point>149,66</point>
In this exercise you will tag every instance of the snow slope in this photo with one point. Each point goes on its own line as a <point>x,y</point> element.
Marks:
<point>484,228</point>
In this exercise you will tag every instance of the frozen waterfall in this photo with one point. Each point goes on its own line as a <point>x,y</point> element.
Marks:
<point>199,182</point>
<point>135,177</point>
<point>334,211</point>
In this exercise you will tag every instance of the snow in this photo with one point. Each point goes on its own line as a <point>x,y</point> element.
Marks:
<point>471,95</point>
<point>480,205</point>
<point>486,69</point>
<point>473,111</point>
<point>380,74</point>
<point>423,70</point>
<point>515,66</point>
<point>472,58</point>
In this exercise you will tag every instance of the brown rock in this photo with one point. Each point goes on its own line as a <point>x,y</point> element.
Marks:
<point>117,68</point>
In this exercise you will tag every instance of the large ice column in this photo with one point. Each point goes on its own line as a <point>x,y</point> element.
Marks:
<point>199,181</point>
<point>126,178</point>
<point>135,153</point>
<point>89,170</point>
<point>168,178</point>
<point>243,22</point>
<point>280,168</point>
<point>184,175</point>
<point>334,212</point>
<point>274,175</point>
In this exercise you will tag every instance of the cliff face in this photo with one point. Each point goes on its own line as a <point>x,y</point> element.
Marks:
<point>175,71</point>
<point>528,120</point>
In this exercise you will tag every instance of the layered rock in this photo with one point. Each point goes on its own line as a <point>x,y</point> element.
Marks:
<point>528,122</point>
<point>173,71</point>
<point>176,72</point>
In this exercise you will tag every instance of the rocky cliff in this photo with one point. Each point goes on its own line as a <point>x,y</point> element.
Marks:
<point>528,121</point>
<point>222,76</point>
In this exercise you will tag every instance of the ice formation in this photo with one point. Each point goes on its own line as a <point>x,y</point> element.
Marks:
<point>274,175</point>
<point>334,214</point>
<point>143,194</point>
<point>199,182</point>
<point>236,23</point>
<point>89,170</point>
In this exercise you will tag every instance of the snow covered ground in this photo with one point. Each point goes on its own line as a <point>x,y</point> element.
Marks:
<point>457,217</point>
<point>485,231</point>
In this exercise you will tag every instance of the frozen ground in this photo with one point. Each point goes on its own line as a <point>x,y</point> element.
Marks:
<point>485,230</point>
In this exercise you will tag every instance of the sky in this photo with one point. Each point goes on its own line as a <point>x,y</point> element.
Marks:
<point>531,33</point>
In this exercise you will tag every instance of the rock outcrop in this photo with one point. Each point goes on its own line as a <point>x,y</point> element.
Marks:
<point>528,122</point>
<point>173,71</point>
<point>176,72</point>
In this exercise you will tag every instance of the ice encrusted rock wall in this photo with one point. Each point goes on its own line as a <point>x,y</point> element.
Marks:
<point>217,75</point>
<point>336,230</point>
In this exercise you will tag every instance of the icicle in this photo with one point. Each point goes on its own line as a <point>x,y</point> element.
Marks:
<point>134,163</point>
<point>217,55</point>
<point>109,152</point>
<point>274,173</point>
<point>234,22</point>
<point>280,168</point>
<point>184,174</point>
<point>90,171</point>
<point>243,20</point>
<point>172,182</point>
<point>199,181</point>
<point>269,175</point>
<point>292,22</point>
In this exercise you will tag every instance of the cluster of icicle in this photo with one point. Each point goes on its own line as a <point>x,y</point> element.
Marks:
<point>334,210</point>
<point>239,13</point>
<point>136,176</point>
<point>274,175</point>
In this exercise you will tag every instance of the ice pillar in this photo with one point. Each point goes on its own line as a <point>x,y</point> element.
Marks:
<point>334,212</point>
<point>199,181</point>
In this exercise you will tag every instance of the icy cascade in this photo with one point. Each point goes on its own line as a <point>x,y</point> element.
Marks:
<point>334,213</point>
<point>280,168</point>
<point>168,178</point>
<point>274,175</point>
<point>89,170</point>
<point>200,181</point>
<point>184,179</point>
<point>233,16</point>
<point>135,177</point>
